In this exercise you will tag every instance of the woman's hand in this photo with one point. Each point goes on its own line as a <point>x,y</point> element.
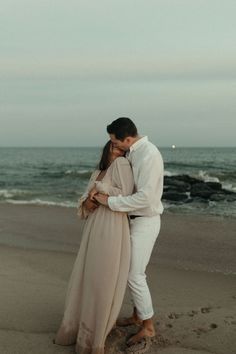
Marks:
<point>92,193</point>
<point>90,205</point>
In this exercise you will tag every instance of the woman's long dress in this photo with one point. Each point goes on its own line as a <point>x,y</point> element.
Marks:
<point>98,281</point>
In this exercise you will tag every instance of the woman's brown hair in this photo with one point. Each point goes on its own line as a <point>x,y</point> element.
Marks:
<point>105,158</point>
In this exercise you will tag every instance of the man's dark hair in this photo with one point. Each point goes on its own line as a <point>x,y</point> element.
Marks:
<point>122,128</point>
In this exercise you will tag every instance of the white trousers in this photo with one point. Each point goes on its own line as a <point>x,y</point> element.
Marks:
<point>144,232</point>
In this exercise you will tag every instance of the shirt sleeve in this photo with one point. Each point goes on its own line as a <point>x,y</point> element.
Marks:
<point>82,212</point>
<point>122,179</point>
<point>148,174</point>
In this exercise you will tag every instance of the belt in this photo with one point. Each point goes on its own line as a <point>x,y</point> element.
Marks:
<point>134,216</point>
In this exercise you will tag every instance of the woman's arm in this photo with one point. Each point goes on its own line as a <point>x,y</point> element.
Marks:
<point>83,212</point>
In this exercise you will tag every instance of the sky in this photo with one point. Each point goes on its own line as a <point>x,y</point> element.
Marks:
<point>69,68</point>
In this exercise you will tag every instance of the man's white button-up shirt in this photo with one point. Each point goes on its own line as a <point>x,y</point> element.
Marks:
<point>148,170</point>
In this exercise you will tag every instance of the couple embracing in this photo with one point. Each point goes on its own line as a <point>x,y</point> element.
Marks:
<point>121,207</point>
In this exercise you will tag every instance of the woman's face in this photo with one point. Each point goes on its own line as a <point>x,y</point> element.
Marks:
<point>116,152</point>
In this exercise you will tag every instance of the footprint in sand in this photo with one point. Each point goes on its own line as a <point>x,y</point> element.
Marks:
<point>205,309</point>
<point>213,326</point>
<point>169,325</point>
<point>229,316</point>
<point>201,330</point>
<point>192,313</point>
<point>174,316</point>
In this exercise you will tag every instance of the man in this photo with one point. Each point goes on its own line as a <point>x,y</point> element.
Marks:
<point>144,208</point>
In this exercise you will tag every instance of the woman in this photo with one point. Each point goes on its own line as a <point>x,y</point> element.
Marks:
<point>98,280</point>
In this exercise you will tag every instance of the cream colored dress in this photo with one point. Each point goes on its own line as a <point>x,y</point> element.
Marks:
<point>98,281</point>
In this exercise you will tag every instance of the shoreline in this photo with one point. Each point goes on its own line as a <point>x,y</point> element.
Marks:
<point>194,242</point>
<point>168,209</point>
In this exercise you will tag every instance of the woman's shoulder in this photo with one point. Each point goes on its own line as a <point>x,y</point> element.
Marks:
<point>119,161</point>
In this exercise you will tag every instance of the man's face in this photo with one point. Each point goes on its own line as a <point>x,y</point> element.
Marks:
<point>123,145</point>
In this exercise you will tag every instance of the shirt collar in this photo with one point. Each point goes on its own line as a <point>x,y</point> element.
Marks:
<point>138,143</point>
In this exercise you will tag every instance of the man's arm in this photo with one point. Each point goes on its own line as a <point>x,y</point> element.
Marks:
<point>102,199</point>
<point>150,171</point>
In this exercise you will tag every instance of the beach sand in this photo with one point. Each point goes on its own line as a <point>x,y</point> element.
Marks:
<point>192,277</point>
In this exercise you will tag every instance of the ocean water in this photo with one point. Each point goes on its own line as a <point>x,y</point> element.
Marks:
<point>58,176</point>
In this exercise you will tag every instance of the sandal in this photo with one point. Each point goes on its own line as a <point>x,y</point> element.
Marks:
<point>140,347</point>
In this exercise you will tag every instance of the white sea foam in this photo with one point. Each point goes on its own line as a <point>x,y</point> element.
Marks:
<point>5,193</point>
<point>9,193</point>
<point>169,174</point>
<point>229,187</point>
<point>206,178</point>
<point>67,204</point>
<point>77,172</point>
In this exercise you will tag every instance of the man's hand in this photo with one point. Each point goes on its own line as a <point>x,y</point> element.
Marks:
<point>90,205</point>
<point>102,199</point>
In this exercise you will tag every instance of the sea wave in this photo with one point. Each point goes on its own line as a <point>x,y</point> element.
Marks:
<point>170,174</point>
<point>210,165</point>
<point>79,173</point>
<point>229,186</point>
<point>83,174</point>
<point>204,176</point>
<point>10,193</point>
<point>67,204</point>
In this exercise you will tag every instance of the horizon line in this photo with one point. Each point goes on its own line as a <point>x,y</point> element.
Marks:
<point>100,146</point>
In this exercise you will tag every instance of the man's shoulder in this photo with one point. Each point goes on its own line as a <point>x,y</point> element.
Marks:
<point>151,149</point>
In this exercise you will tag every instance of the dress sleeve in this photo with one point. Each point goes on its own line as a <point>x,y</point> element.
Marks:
<point>82,212</point>
<point>122,179</point>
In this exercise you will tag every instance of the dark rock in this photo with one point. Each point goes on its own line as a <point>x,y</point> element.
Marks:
<point>201,190</point>
<point>189,200</point>
<point>179,185</point>
<point>199,200</point>
<point>177,189</point>
<point>231,197</point>
<point>214,185</point>
<point>217,197</point>
<point>226,191</point>
<point>174,196</point>
<point>187,179</point>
